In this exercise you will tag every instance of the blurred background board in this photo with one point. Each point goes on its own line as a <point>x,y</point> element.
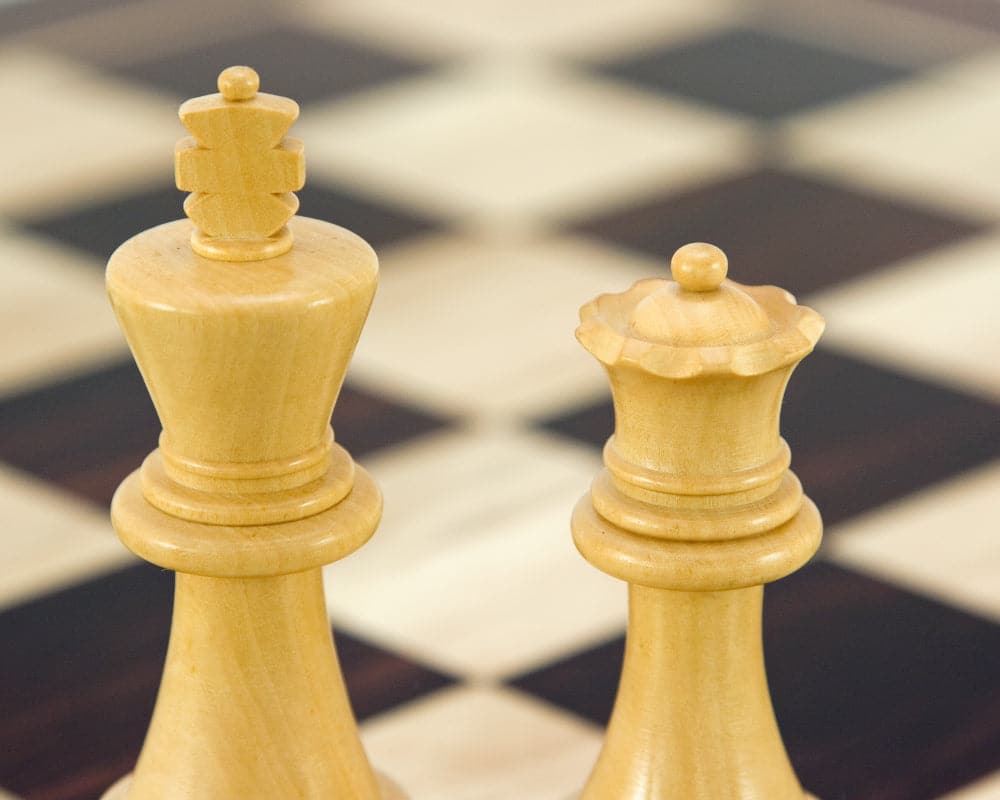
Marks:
<point>510,160</point>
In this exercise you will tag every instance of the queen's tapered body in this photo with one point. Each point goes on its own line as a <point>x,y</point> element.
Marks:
<point>696,509</point>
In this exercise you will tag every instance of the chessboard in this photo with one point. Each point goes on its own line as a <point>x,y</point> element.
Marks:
<point>509,161</point>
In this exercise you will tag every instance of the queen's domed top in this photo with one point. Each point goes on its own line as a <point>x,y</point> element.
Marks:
<point>700,322</point>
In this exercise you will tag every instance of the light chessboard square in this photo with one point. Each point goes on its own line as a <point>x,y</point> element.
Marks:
<point>933,138</point>
<point>50,539</point>
<point>510,145</point>
<point>953,293</point>
<point>986,789</point>
<point>563,27</point>
<point>484,328</point>
<point>483,743</point>
<point>54,313</point>
<point>89,134</point>
<point>473,569</point>
<point>941,542</point>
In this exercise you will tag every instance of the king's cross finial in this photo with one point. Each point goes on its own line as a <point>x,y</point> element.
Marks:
<point>240,168</point>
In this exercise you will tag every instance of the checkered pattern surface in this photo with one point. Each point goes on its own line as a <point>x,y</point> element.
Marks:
<point>510,160</point>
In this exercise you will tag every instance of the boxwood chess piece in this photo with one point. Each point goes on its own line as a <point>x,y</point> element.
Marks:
<point>243,324</point>
<point>696,509</point>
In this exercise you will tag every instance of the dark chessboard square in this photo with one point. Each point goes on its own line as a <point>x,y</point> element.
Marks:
<point>379,680</point>
<point>592,423</point>
<point>85,433</point>
<point>981,14</point>
<point>879,693</point>
<point>791,230</point>
<point>860,435</point>
<point>752,72</point>
<point>365,422</point>
<point>292,63</point>
<point>17,17</point>
<point>80,671</point>
<point>585,683</point>
<point>101,228</point>
<point>378,224</point>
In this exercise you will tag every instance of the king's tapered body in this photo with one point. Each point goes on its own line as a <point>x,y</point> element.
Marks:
<point>243,322</point>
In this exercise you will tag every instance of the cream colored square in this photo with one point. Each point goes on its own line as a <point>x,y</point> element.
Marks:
<point>473,568</point>
<point>54,313</point>
<point>941,542</point>
<point>986,789</point>
<point>72,134</point>
<point>483,743</point>
<point>566,27</point>
<point>935,316</point>
<point>50,539</point>
<point>511,145</point>
<point>486,329</point>
<point>932,140</point>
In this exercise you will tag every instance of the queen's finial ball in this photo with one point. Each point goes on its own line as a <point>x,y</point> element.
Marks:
<point>238,83</point>
<point>699,267</point>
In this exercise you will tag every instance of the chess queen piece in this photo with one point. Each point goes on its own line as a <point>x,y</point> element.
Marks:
<point>696,509</point>
<point>242,320</point>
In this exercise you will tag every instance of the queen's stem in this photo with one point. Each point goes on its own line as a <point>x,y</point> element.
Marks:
<point>693,716</point>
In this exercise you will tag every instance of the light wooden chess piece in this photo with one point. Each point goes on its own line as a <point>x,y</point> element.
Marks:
<point>248,495</point>
<point>696,509</point>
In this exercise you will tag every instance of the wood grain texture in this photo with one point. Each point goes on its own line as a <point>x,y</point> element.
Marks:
<point>222,347</point>
<point>248,495</point>
<point>863,435</point>
<point>240,168</point>
<point>696,509</point>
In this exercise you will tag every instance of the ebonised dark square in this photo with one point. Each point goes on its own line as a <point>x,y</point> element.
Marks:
<point>85,433</point>
<point>100,229</point>
<point>291,62</point>
<point>378,224</point>
<point>975,13</point>
<point>78,678</point>
<point>88,432</point>
<point>791,230</point>
<point>592,423</point>
<point>378,680</point>
<point>365,422</point>
<point>18,17</point>
<point>879,693</point>
<point>861,435</point>
<point>754,73</point>
<point>585,683</point>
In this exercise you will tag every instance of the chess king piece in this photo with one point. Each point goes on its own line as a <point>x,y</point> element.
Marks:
<point>696,509</point>
<point>243,320</point>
